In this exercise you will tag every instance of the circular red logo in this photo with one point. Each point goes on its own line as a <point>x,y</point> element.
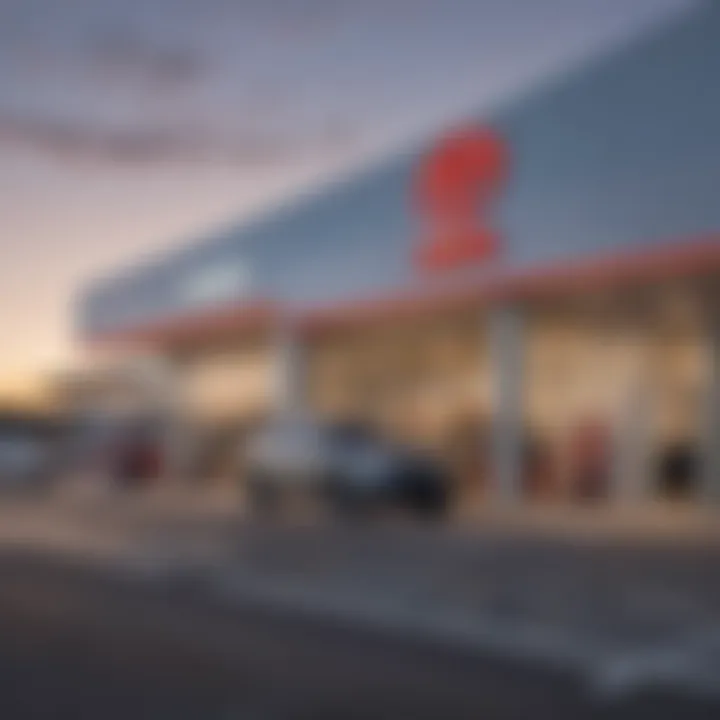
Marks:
<point>456,184</point>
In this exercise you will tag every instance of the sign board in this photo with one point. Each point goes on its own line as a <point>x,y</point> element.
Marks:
<point>456,185</point>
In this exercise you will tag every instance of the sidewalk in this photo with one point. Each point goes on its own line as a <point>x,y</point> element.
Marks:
<point>626,599</point>
<point>654,523</point>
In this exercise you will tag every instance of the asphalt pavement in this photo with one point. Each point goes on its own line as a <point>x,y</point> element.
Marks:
<point>79,642</point>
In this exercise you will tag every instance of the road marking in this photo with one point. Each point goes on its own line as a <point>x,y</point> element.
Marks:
<point>682,663</point>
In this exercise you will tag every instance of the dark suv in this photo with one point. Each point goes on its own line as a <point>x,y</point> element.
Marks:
<point>345,465</point>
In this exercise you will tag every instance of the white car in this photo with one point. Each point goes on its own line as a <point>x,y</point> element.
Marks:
<point>24,457</point>
<point>344,464</point>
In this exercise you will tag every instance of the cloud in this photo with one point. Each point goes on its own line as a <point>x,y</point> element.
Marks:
<point>120,54</point>
<point>147,144</point>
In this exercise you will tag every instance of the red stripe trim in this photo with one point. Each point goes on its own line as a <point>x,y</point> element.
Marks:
<point>668,262</point>
<point>617,270</point>
<point>673,261</point>
<point>218,322</point>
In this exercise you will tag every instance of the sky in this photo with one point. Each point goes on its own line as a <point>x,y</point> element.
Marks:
<point>130,126</point>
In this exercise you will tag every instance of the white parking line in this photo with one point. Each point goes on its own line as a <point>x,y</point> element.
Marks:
<point>689,663</point>
<point>685,664</point>
<point>679,665</point>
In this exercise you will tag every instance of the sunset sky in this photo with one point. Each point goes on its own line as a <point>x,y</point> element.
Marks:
<point>128,126</point>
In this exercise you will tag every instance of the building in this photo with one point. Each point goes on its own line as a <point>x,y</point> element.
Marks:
<point>551,272</point>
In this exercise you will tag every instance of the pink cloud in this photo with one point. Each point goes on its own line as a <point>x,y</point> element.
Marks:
<point>120,54</point>
<point>135,145</point>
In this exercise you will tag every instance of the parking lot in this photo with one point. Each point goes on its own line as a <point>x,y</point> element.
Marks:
<point>627,600</point>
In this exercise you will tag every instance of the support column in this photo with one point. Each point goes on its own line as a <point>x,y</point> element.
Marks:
<point>507,351</point>
<point>633,423</point>
<point>164,383</point>
<point>710,399</point>
<point>290,370</point>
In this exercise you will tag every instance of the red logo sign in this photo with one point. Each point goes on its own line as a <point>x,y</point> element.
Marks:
<point>457,183</point>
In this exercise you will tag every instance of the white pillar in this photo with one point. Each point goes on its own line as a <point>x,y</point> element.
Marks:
<point>507,350</point>
<point>633,422</point>
<point>710,434</point>
<point>290,370</point>
<point>163,379</point>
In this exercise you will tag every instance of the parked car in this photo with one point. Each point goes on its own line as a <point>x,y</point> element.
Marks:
<point>344,465</point>
<point>28,450</point>
<point>135,453</point>
<point>678,470</point>
<point>126,451</point>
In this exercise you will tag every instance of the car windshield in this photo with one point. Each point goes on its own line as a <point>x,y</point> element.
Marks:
<point>352,432</point>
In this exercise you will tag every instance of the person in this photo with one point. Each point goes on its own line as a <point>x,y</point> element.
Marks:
<point>590,458</point>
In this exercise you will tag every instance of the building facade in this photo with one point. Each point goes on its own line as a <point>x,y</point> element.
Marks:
<point>541,285</point>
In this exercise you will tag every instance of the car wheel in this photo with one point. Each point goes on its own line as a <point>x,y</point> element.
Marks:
<point>349,505</point>
<point>433,503</point>
<point>263,497</point>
